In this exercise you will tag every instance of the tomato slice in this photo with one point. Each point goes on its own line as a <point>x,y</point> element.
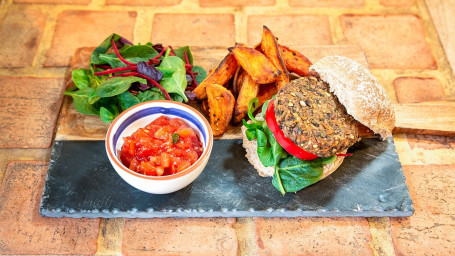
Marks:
<point>285,142</point>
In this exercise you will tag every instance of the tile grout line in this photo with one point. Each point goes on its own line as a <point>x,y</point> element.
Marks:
<point>245,229</point>
<point>381,237</point>
<point>110,236</point>
<point>143,27</point>
<point>47,37</point>
<point>241,26</point>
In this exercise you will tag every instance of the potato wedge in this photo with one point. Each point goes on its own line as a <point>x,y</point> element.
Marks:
<point>248,91</point>
<point>266,92</point>
<point>219,75</point>
<point>205,107</point>
<point>295,61</point>
<point>270,49</point>
<point>261,70</point>
<point>236,83</point>
<point>221,105</point>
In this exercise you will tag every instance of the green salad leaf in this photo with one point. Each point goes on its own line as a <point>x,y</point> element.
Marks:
<point>81,78</point>
<point>134,53</point>
<point>127,100</point>
<point>201,74</point>
<point>180,52</point>
<point>296,174</point>
<point>117,85</point>
<point>108,113</point>
<point>80,98</point>
<point>111,86</point>
<point>291,174</point>
<point>176,83</point>
<point>102,49</point>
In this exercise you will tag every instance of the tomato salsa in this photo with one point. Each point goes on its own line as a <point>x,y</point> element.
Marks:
<point>165,146</point>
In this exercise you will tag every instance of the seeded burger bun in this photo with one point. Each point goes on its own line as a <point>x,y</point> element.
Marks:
<point>359,91</point>
<point>320,115</point>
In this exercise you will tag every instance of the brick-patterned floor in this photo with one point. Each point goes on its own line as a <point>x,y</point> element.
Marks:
<point>403,49</point>
<point>24,231</point>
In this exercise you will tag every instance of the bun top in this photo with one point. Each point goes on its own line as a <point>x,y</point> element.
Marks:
<point>359,91</point>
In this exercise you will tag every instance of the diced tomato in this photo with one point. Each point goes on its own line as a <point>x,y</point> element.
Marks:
<point>191,155</point>
<point>159,170</point>
<point>163,133</point>
<point>165,160</point>
<point>153,150</point>
<point>147,168</point>
<point>153,128</point>
<point>134,163</point>
<point>181,144</point>
<point>185,132</point>
<point>156,160</point>
<point>175,152</point>
<point>176,123</point>
<point>141,133</point>
<point>161,121</point>
<point>183,165</point>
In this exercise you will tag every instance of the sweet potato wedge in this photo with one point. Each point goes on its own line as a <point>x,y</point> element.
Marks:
<point>236,82</point>
<point>295,61</point>
<point>219,75</point>
<point>221,105</point>
<point>205,107</point>
<point>261,70</point>
<point>266,92</point>
<point>248,91</point>
<point>270,49</point>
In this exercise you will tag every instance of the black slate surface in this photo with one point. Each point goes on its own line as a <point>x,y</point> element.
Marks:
<point>82,183</point>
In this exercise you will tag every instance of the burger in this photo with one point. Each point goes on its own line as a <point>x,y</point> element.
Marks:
<point>302,135</point>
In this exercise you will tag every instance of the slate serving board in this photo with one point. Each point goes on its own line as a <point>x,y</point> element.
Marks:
<point>82,183</point>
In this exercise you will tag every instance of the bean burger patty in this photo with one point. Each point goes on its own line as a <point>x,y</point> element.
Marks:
<point>313,118</point>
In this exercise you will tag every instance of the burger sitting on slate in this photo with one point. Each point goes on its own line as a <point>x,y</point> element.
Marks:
<point>302,135</point>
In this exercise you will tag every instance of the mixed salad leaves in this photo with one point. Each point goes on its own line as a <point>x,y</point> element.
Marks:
<point>122,75</point>
<point>291,173</point>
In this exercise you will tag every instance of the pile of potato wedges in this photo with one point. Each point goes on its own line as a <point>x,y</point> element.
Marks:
<point>246,73</point>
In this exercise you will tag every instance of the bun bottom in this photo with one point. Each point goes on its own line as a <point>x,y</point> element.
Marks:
<point>253,158</point>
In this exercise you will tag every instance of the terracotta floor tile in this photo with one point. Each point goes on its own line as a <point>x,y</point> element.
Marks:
<point>76,29</point>
<point>20,34</point>
<point>30,108</point>
<point>313,236</point>
<point>143,2</point>
<point>430,230</point>
<point>53,1</point>
<point>198,236</point>
<point>397,3</point>
<point>194,29</point>
<point>413,89</point>
<point>327,3</point>
<point>227,3</point>
<point>430,142</point>
<point>390,41</point>
<point>291,30</point>
<point>24,231</point>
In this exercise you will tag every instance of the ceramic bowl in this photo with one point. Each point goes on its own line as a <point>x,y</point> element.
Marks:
<point>140,116</point>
